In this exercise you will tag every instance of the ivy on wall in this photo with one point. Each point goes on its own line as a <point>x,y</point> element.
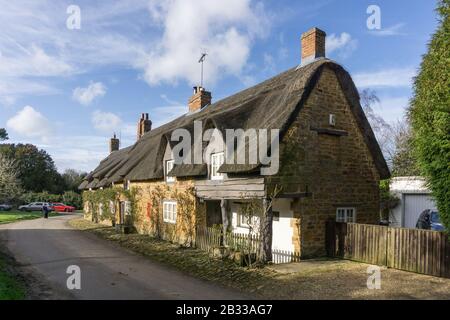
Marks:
<point>146,205</point>
<point>184,230</point>
<point>102,204</point>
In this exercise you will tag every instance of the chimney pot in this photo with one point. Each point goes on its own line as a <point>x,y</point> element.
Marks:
<point>313,45</point>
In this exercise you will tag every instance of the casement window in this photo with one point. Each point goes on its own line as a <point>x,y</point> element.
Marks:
<point>170,211</point>
<point>126,185</point>
<point>169,167</point>
<point>217,160</point>
<point>345,214</point>
<point>127,208</point>
<point>244,220</point>
<point>112,207</point>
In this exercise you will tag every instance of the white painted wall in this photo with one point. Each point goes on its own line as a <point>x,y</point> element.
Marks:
<point>234,207</point>
<point>282,230</point>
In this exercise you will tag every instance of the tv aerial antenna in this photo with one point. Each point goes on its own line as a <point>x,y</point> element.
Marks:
<point>202,60</point>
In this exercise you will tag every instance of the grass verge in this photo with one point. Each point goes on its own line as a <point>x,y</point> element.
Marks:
<point>14,216</point>
<point>10,287</point>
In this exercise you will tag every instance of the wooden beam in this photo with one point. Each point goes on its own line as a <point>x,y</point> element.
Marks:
<point>294,195</point>
<point>332,132</point>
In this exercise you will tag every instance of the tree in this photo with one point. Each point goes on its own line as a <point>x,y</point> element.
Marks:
<point>10,188</point>
<point>3,134</point>
<point>381,128</point>
<point>395,139</point>
<point>72,198</point>
<point>36,169</point>
<point>403,162</point>
<point>266,224</point>
<point>430,114</point>
<point>72,179</point>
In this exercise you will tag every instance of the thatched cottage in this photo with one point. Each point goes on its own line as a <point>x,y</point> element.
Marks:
<point>330,163</point>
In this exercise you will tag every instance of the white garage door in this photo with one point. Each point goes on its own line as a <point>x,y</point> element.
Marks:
<point>414,205</point>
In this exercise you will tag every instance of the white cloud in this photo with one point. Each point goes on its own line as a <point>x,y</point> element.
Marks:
<point>35,43</point>
<point>32,61</point>
<point>394,30</point>
<point>342,44</point>
<point>86,95</point>
<point>396,77</point>
<point>224,29</point>
<point>30,123</point>
<point>106,121</point>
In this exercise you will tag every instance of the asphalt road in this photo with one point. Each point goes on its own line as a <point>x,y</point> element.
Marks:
<point>46,248</point>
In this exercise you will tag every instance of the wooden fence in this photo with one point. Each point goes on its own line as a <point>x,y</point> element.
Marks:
<point>284,256</point>
<point>415,250</point>
<point>209,238</point>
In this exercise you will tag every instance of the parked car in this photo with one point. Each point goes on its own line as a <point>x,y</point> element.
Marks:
<point>36,206</point>
<point>61,207</point>
<point>5,207</point>
<point>429,220</point>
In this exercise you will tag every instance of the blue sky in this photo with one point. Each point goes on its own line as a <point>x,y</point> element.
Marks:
<point>67,90</point>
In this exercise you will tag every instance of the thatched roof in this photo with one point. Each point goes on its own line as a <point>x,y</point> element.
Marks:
<point>189,170</point>
<point>272,104</point>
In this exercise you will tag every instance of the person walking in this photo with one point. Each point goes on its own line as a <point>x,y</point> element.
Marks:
<point>45,210</point>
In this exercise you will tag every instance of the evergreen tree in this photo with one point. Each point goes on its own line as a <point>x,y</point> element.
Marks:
<point>3,134</point>
<point>430,114</point>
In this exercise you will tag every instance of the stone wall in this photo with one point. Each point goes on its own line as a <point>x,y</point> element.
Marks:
<point>335,170</point>
<point>149,210</point>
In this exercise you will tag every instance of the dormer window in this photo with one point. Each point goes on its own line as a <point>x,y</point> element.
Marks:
<point>217,160</point>
<point>169,167</point>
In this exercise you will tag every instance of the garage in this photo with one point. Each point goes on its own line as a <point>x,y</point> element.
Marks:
<point>414,197</point>
<point>414,205</point>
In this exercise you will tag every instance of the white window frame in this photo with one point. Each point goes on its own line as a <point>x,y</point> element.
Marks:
<point>215,165</point>
<point>127,208</point>
<point>166,168</point>
<point>170,211</point>
<point>242,221</point>
<point>342,214</point>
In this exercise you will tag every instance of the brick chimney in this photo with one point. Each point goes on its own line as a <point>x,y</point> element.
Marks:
<point>114,144</point>
<point>313,45</point>
<point>144,125</point>
<point>199,99</point>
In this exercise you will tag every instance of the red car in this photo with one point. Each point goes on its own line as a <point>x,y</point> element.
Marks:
<point>61,207</point>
